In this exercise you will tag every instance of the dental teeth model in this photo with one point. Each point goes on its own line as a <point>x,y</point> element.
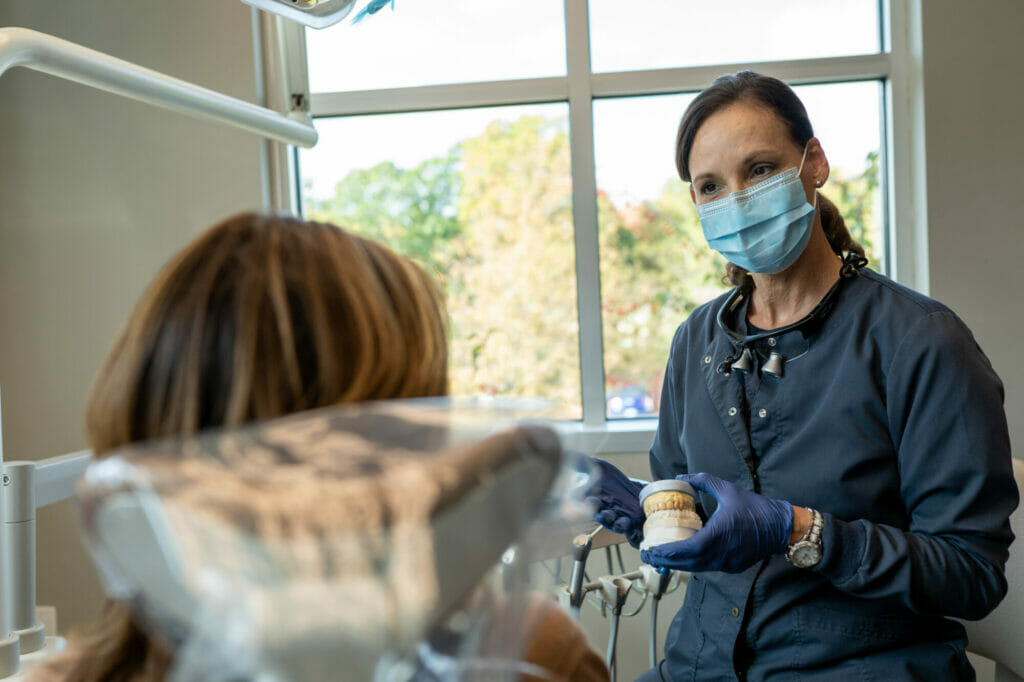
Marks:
<point>670,513</point>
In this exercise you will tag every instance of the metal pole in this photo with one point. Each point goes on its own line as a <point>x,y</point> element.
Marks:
<point>19,529</point>
<point>10,646</point>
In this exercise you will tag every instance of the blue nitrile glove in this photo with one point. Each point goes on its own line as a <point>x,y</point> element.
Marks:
<point>744,529</point>
<point>615,498</point>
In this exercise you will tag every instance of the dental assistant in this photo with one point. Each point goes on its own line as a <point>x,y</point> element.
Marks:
<point>845,434</point>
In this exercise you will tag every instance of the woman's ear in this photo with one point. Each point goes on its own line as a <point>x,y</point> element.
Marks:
<point>818,161</point>
<point>693,196</point>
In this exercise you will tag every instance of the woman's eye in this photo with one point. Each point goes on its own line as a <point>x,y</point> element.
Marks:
<point>762,169</point>
<point>708,188</point>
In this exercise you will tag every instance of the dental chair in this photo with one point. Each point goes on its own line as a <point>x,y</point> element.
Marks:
<point>1000,635</point>
<point>346,543</point>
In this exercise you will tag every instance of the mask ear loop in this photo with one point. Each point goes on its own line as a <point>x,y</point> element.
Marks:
<point>801,170</point>
<point>803,158</point>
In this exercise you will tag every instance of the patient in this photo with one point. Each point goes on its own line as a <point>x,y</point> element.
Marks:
<point>259,317</point>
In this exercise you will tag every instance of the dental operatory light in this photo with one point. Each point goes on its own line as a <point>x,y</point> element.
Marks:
<point>319,13</point>
<point>312,13</point>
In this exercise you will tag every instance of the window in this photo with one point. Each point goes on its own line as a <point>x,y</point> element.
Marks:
<point>524,152</point>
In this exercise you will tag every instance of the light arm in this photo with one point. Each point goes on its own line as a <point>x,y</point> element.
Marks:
<point>45,53</point>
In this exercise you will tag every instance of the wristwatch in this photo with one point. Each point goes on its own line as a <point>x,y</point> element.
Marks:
<point>806,551</point>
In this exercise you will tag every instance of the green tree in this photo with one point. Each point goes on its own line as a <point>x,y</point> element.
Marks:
<point>414,211</point>
<point>857,200</point>
<point>515,329</point>
<point>493,218</point>
<point>656,268</point>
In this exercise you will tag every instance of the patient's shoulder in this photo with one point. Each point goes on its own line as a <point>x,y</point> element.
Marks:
<point>556,641</point>
<point>55,669</point>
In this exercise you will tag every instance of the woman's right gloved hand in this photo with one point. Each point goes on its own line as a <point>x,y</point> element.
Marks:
<point>615,498</point>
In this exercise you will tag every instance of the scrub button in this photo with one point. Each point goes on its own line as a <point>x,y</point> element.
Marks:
<point>735,611</point>
<point>733,411</point>
<point>772,342</point>
<point>707,359</point>
<point>762,413</point>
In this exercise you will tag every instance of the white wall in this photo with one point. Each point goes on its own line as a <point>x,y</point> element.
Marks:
<point>96,192</point>
<point>974,96</point>
<point>973,73</point>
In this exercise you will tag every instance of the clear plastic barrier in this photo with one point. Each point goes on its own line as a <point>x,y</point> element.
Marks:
<point>367,539</point>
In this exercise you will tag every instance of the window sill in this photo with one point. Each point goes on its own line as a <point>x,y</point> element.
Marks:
<point>614,437</point>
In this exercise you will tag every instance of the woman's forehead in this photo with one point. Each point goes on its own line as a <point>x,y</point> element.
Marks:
<point>737,129</point>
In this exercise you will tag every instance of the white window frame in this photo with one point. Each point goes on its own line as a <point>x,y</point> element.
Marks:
<point>897,66</point>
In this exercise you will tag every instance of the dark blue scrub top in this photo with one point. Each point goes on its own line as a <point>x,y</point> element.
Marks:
<point>889,420</point>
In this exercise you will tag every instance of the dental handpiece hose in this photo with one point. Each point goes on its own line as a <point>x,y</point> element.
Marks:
<point>615,591</point>
<point>581,545</point>
<point>613,640</point>
<point>665,576</point>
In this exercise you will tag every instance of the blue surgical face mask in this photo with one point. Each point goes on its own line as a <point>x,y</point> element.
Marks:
<point>763,228</point>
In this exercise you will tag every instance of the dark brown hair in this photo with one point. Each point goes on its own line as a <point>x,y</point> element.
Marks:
<point>259,317</point>
<point>780,99</point>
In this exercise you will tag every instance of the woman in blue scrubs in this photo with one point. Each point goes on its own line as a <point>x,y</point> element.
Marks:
<point>846,435</point>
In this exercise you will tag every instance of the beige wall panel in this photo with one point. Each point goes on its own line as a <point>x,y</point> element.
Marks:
<point>96,192</point>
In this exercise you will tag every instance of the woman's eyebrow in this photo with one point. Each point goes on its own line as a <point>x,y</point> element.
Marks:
<point>760,153</point>
<point>699,178</point>
<point>757,154</point>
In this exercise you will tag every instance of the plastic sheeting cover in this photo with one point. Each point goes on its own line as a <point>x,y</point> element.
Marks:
<point>354,542</point>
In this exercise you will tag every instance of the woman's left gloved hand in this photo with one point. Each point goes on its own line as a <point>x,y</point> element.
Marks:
<point>744,529</point>
<point>615,499</point>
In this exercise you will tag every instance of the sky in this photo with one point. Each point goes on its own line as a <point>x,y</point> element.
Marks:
<point>424,42</point>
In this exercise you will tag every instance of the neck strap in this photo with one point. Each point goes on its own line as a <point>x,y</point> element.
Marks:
<point>726,319</point>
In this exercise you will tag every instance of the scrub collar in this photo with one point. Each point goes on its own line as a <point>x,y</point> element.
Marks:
<point>729,322</point>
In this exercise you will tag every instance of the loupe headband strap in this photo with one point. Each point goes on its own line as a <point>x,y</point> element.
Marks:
<point>850,268</point>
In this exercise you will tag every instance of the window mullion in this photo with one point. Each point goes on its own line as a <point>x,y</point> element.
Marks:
<point>696,78</point>
<point>282,85</point>
<point>438,97</point>
<point>584,199</point>
<point>908,219</point>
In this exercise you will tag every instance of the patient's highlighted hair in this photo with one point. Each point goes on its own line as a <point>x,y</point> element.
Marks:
<point>262,316</point>
<point>258,317</point>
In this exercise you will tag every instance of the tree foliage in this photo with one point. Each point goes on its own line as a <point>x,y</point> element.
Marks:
<point>414,211</point>
<point>513,311</point>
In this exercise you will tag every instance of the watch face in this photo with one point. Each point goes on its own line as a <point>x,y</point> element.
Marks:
<point>805,554</point>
